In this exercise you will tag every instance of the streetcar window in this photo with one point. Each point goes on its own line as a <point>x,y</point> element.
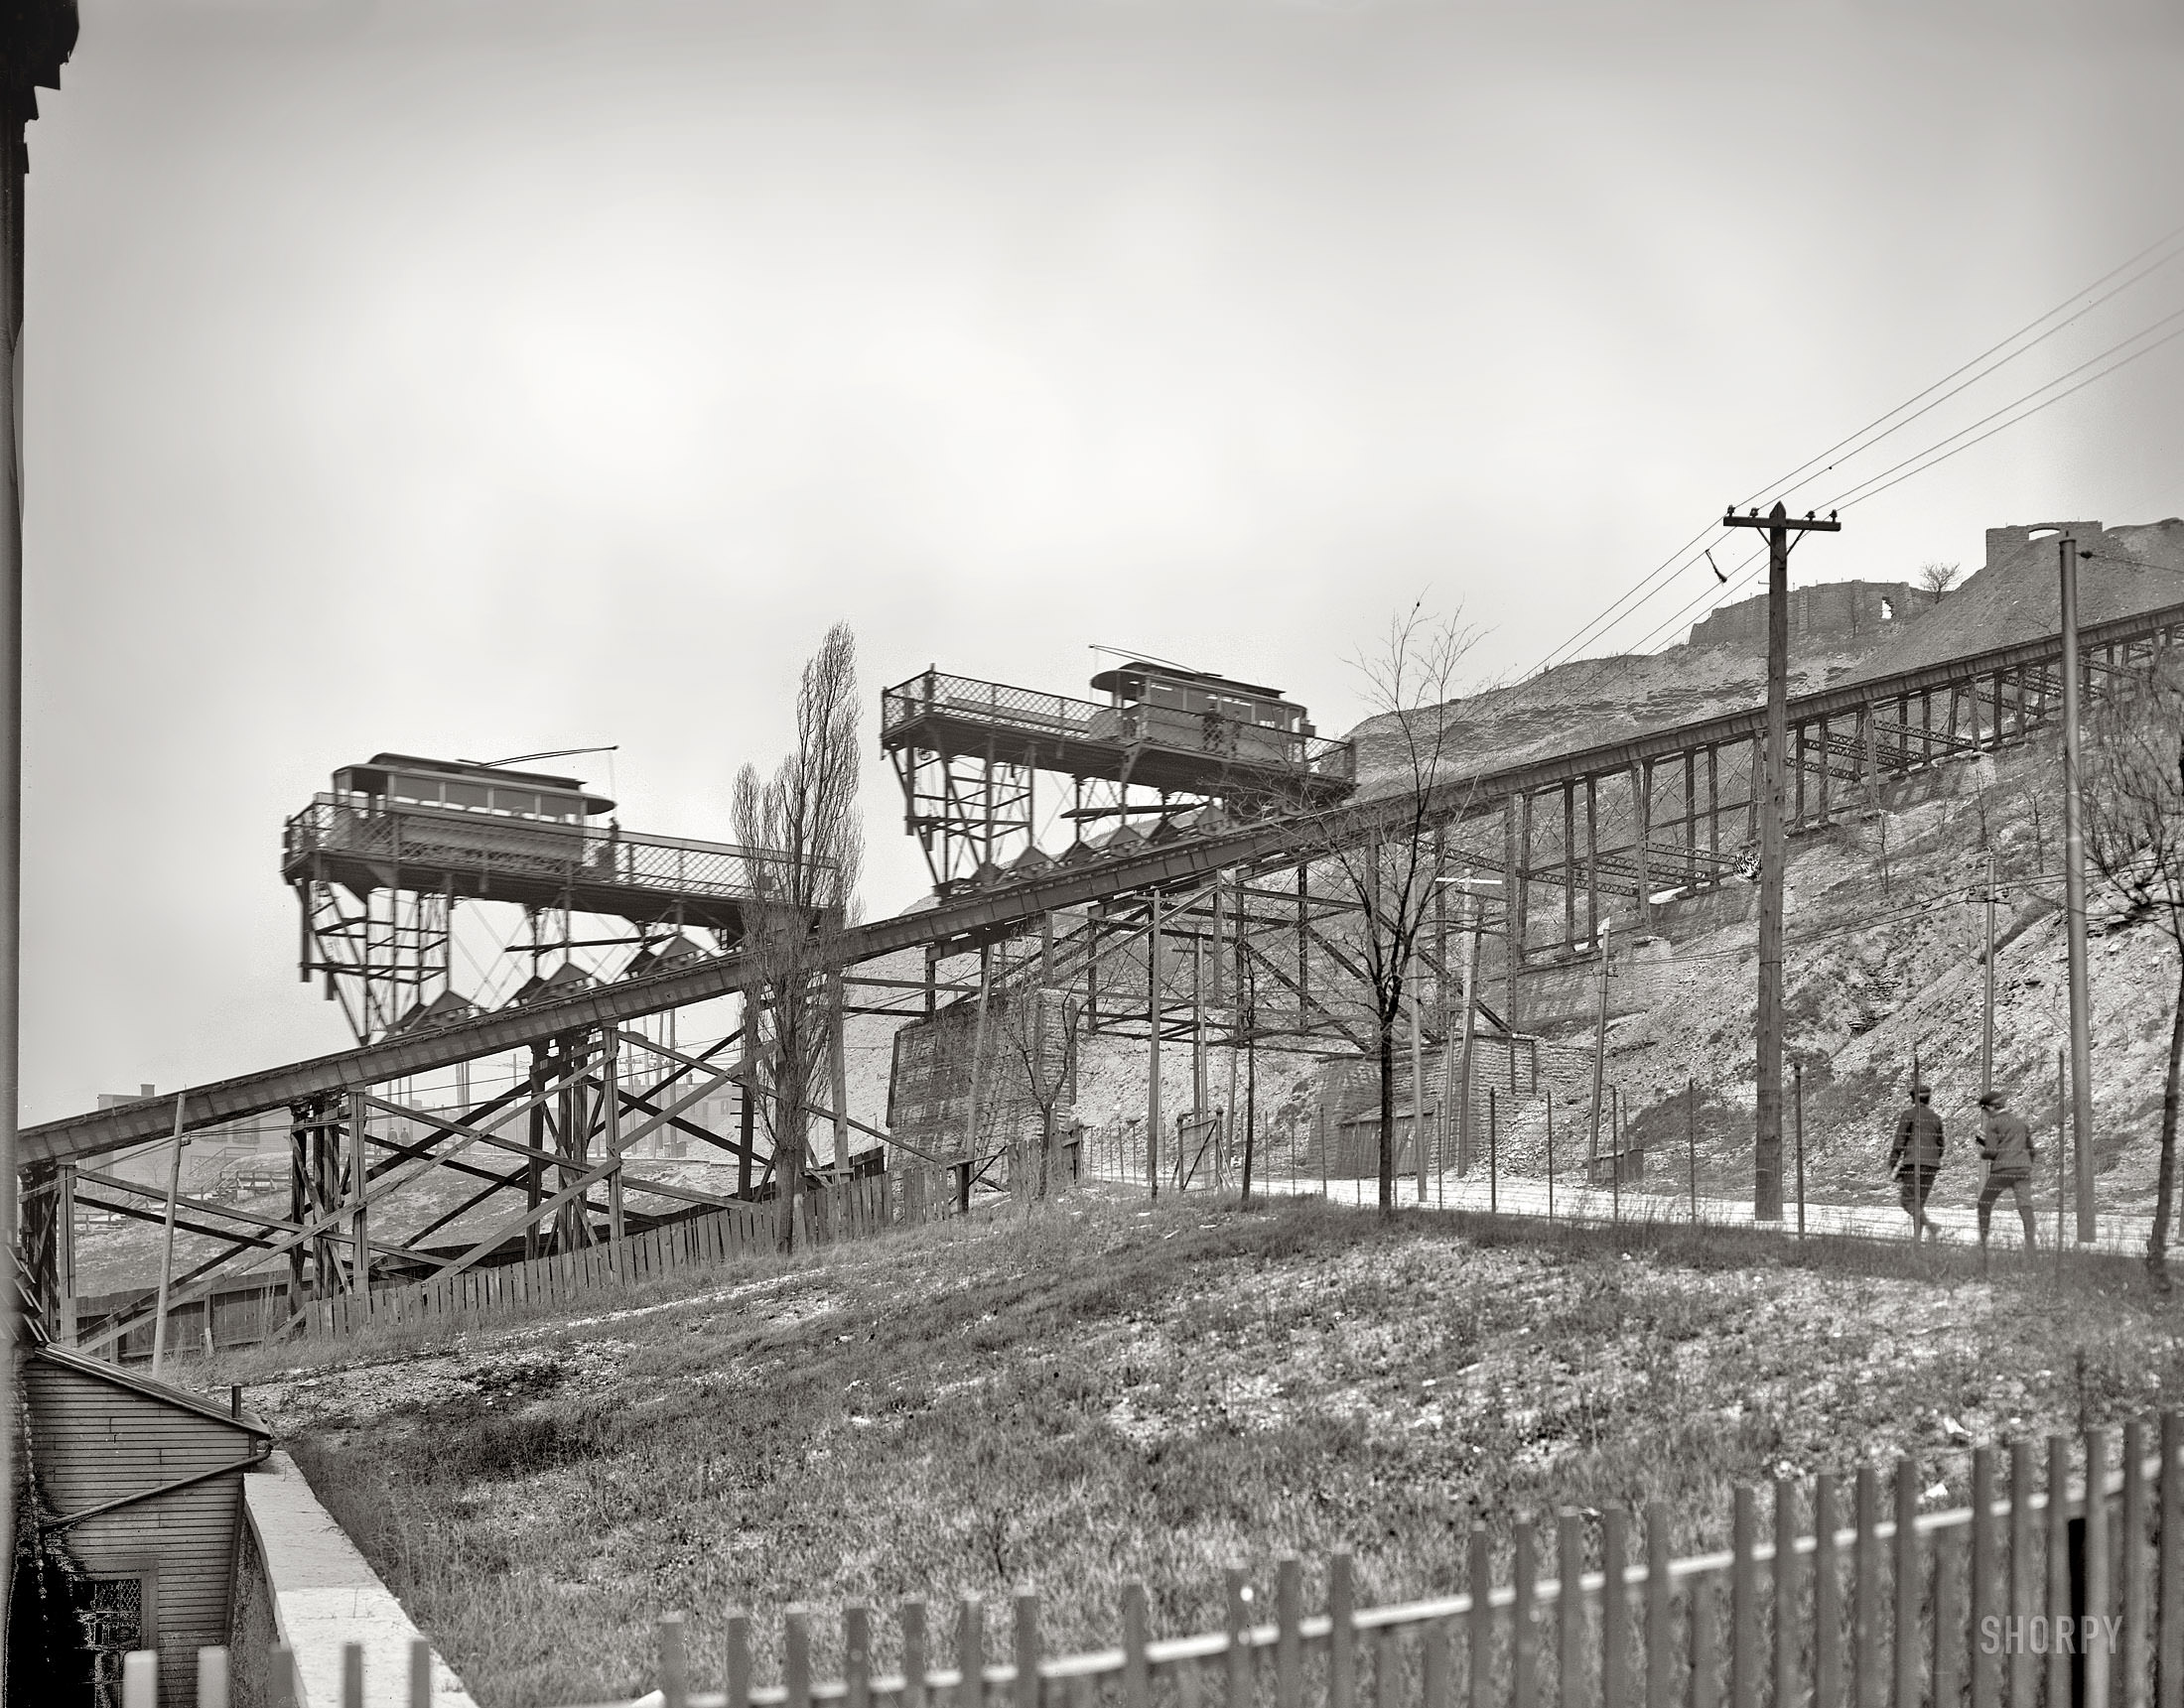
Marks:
<point>466,795</point>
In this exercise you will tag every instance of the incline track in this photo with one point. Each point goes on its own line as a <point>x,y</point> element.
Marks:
<point>967,921</point>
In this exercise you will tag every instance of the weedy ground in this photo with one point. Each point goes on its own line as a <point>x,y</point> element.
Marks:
<point>1106,1392</point>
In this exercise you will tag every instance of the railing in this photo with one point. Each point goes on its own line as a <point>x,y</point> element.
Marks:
<point>1976,1603</point>
<point>1031,713</point>
<point>426,836</point>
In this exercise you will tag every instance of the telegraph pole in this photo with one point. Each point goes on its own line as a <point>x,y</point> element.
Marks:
<point>1767,1145</point>
<point>2074,896</point>
<point>1986,1026</point>
<point>36,39</point>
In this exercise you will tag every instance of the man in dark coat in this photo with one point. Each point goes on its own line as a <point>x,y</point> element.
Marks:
<point>1916,1158</point>
<point>2006,1144</point>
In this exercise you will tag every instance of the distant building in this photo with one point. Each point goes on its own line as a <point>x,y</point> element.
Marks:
<point>1847,610</point>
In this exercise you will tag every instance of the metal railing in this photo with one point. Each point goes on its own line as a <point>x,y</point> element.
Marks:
<point>1028,712</point>
<point>367,826</point>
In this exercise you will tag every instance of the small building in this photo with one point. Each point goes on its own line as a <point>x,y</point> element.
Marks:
<point>140,1496</point>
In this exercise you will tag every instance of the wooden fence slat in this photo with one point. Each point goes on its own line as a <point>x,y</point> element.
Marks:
<point>1949,1635</point>
<point>2058,1564</point>
<point>2136,1646</point>
<point>1865,1595</point>
<point>857,1656</point>
<point>1238,1652</point>
<point>1986,1575</point>
<point>1569,1607</point>
<point>1615,1613</point>
<point>1478,1583</point>
<point>1387,1669</point>
<point>1826,1596</point>
<point>1341,1635</point>
<point>796,1658</point>
<point>739,1660</point>
<point>2025,1596</point>
<point>1289,1613</point>
<point>1743,1600</point>
<point>1027,1649</point>
<point>910,1618</point>
<point>1433,1663</point>
<point>1904,1630</point>
<point>970,1652</point>
<point>1522,1673</point>
<point>1706,1647</point>
<point>2100,1585</point>
<point>2169,1566</point>
<point>1785,1633</point>
<point>1660,1607</point>
<point>674,1680</point>
<point>1136,1680</point>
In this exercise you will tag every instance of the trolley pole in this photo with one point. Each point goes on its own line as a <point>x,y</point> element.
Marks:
<point>1767,1139</point>
<point>38,37</point>
<point>2073,897</point>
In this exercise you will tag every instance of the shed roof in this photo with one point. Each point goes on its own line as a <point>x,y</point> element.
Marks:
<point>179,1399</point>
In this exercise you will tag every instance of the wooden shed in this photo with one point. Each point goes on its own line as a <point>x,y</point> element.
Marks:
<point>143,1487</point>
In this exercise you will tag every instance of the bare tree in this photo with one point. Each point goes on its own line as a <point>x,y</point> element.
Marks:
<point>1037,1032</point>
<point>803,846</point>
<point>2133,792</point>
<point>1389,871</point>
<point>1937,578</point>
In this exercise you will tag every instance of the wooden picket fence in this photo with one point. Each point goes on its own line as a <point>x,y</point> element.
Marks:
<point>841,1210</point>
<point>1959,1609</point>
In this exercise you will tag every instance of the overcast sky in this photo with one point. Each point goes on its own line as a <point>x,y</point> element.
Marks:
<point>472,377</point>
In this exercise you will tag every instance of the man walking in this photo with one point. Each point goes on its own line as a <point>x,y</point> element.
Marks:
<point>1916,1158</point>
<point>2006,1144</point>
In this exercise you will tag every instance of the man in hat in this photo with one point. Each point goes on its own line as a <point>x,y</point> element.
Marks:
<point>1916,1156</point>
<point>2006,1144</point>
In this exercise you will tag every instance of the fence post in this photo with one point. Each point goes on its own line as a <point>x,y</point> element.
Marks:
<point>282,1681</point>
<point>1785,1591</point>
<point>1660,1606</point>
<point>1906,1634</point>
<point>1027,1649</point>
<point>1239,1654</point>
<point>2024,1582</point>
<point>1137,1685</point>
<point>212,1679</point>
<point>1984,1572</point>
<point>739,1660</point>
<point>1614,1610</point>
<point>1479,1583</point>
<point>1433,1658</point>
<point>674,1681</point>
<point>1569,1607</point>
<point>2169,1567</point>
<point>1948,1641</point>
<point>140,1678</point>
<point>420,1694</point>
<point>857,1656</point>
<point>1706,1663</point>
<point>2134,1563</point>
<point>1289,1613</point>
<point>910,1618</point>
<point>2100,1581</point>
<point>970,1654</point>
<point>795,1659</point>
<point>1866,1596</point>
<point>1522,1677</point>
<point>353,1678</point>
<point>1826,1594</point>
<point>1743,1597</point>
<point>2058,1559</point>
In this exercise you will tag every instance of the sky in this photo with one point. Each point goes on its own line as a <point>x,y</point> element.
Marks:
<point>478,377</point>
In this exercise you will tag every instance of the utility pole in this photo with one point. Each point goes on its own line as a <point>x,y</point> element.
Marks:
<point>36,43</point>
<point>2074,896</point>
<point>1599,1056</point>
<point>1767,1140</point>
<point>1986,1031</point>
<point>1462,1076</point>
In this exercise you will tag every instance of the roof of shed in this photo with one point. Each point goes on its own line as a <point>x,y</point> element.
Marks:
<point>143,1386</point>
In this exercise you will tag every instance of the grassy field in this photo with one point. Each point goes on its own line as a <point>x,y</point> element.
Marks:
<point>1108,1392</point>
